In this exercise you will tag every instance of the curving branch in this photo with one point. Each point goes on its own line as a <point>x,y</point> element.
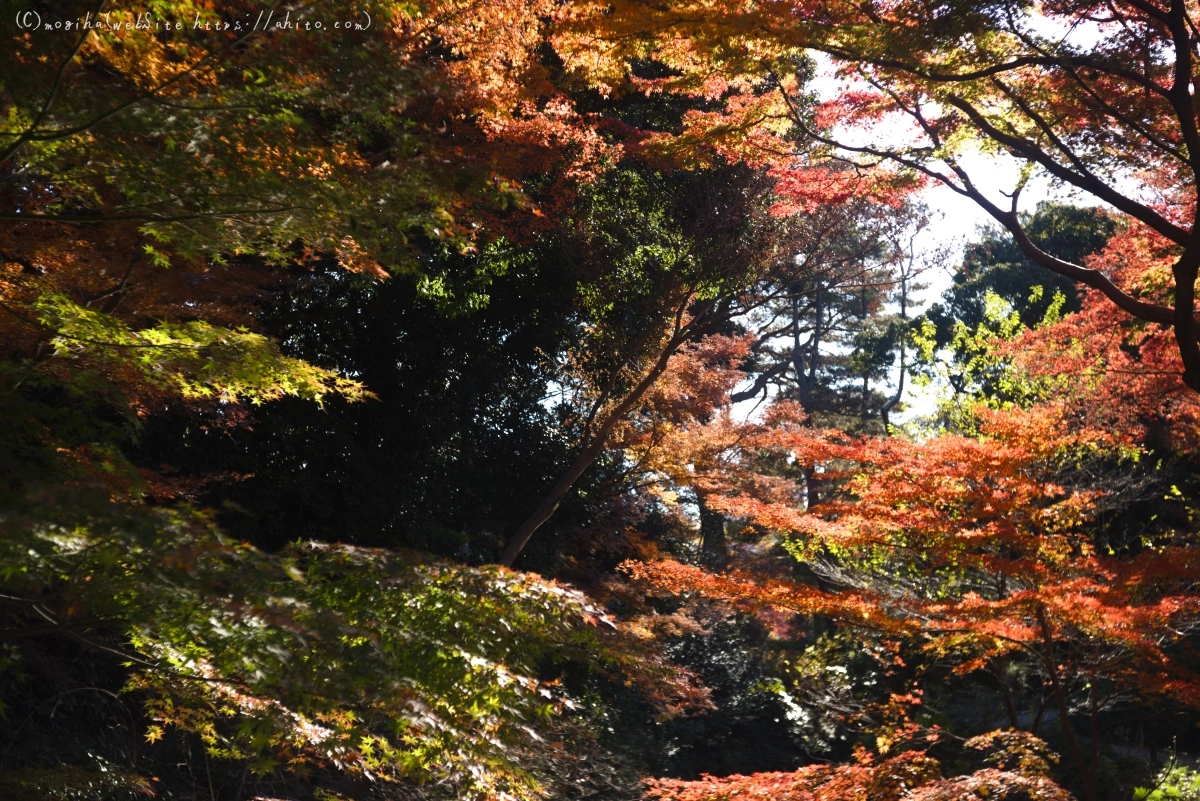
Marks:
<point>1084,179</point>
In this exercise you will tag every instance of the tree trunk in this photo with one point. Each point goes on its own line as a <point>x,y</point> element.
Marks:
<point>1010,703</point>
<point>1185,271</point>
<point>594,444</point>
<point>713,547</point>
<point>885,412</point>
<point>1064,717</point>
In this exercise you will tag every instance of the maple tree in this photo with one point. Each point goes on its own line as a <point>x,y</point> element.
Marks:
<point>1095,95</point>
<point>154,185</point>
<point>246,272</point>
<point>973,546</point>
<point>716,251</point>
<point>152,181</point>
<point>1022,772</point>
<point>372,663</point>
<point>157,188</point>
<point>260,134</point>
<point>1126,373</point>
<point>981,547</point>
<point>684,434</point>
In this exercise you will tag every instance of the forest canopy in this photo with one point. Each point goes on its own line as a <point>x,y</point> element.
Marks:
<point>514,399</point>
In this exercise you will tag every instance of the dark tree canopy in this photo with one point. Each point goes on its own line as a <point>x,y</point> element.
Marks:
<point>995,262</point>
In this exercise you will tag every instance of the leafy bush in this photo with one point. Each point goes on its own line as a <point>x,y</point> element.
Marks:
<point>1174,783</point>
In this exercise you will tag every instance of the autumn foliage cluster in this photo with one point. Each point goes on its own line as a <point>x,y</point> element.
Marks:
<point>512,400</point>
